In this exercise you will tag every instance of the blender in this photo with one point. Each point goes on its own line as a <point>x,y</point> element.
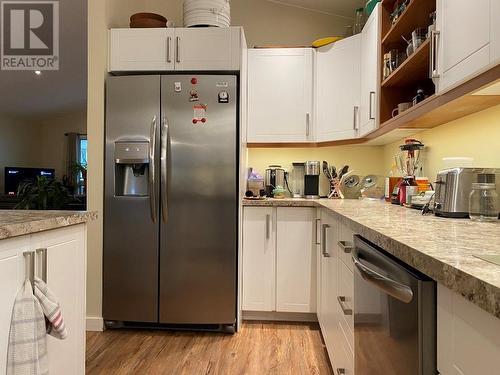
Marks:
<point>408,161</point>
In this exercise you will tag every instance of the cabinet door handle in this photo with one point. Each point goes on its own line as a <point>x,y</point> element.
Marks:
<point>308,124</point>
<point>345,310</point>
<point>341,371</point>
<point>178,49</point>
<point>43,263</point>
<point>318,242</point>
<point>29,266</point>
<point>325,227</point>
<point>434,52</point>
<point>355,117</point>
<point>169,42</point>
<point>372,96</point>
<point>268,226</point>
<point>345,246</point>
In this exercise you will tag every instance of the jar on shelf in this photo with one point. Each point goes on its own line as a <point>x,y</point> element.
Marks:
<point>359,20</point>
<point>483,202</point>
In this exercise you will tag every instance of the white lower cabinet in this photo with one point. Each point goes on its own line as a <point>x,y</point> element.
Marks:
<point>336,293</point>
<point>11,280</point>
<point>259,259</point>
<point>468,338</point>
<point>295,260</point>
<point>279,272</point>
<point>66,277</point>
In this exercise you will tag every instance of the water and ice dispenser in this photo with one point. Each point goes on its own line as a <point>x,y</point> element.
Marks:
<point>132,169</point>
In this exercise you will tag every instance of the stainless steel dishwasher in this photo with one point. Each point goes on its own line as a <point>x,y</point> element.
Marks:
<point>394,315</point>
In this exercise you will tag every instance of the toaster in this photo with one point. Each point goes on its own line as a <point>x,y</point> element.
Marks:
<point>453,187</point>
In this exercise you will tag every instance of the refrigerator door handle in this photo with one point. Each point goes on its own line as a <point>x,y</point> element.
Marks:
<point>164,169</point>
<point>152,179</point>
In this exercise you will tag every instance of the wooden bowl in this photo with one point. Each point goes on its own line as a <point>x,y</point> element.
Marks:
<point>144,20</point>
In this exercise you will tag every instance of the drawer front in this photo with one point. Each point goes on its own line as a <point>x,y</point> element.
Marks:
<point>345,356</point>
<point>345,296</point>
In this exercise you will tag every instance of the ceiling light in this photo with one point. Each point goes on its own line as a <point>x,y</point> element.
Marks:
<point>38,72</point>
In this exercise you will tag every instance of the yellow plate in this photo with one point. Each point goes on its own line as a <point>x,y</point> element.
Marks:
<point>324,41</point>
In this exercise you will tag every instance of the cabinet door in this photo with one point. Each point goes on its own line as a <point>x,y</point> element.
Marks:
<point>295,260</point>
<point>495,32</point>
<point>259,257</point>
<point>66,278</point>
<point>141,49</point>
<point>329,286</point>
<point>12,276</point>
<point>280,95</point>
<point>337,77</point>
<point>468,342</point>
<point>211,48</point>
<point>464,40</point>
<point>370,73</point>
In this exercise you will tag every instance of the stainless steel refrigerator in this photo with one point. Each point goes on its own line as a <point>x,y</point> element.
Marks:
<point>171,201</point>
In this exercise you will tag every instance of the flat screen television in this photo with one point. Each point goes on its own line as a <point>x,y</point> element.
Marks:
<point>14,176</point>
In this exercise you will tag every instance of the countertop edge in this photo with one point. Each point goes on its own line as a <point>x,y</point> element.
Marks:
<point>37,225</point>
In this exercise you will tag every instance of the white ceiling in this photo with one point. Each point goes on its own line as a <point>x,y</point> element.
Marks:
<point>344,8</point>
<point>23,93</point>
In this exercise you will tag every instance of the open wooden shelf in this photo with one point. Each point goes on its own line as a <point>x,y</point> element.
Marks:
<point>415,15</point>
<point>414,69</point>
<point>440,109</point>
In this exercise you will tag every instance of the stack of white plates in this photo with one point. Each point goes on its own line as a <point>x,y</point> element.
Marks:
<point>207,13</point>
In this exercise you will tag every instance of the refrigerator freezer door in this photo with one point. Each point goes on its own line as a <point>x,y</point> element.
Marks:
<point>131,238</point>
<point>198,242</point>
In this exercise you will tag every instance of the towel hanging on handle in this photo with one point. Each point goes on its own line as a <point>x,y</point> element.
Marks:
<point>27,351</point>
<point>51,309</point>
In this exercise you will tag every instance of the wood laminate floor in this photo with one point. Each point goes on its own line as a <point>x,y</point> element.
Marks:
<point>258,349</point>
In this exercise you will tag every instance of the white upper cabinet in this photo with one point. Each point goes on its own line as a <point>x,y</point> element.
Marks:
<point>337,94</point>
<point>141,49</point>
<point>280,85</point>
<point>295,259</point>
<point>169,49</point>
<point>211,48</point>
<point>463,40</point>
<point>370,73</point>
<point>495,31</point>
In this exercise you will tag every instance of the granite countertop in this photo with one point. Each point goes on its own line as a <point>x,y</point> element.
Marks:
<point>441,248</point>
<point>20,222</point>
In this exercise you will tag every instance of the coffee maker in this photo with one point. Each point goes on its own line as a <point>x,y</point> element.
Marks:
<point>275,176</point>
<point>311,179</point>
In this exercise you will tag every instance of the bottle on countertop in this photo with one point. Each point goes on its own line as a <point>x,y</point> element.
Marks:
<point>359,20</point>
<point>391,181</point>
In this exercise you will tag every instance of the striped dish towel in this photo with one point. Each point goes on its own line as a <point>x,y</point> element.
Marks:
<point>51,310</point>
<point>27,351</point>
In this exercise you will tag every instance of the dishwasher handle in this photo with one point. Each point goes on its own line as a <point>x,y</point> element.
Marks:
<point>393,288</point>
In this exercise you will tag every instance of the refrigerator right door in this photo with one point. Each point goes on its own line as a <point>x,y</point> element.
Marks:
<point>199,199</point>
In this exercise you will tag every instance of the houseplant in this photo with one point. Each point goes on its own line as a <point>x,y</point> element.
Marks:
<point>41,193</point>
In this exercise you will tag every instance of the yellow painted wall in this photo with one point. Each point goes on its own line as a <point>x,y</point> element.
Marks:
<point>476,136</point>
<point>362,160</point>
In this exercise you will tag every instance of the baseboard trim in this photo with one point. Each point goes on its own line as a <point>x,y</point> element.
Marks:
<point>279,316</point>
<point>94,324</point>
